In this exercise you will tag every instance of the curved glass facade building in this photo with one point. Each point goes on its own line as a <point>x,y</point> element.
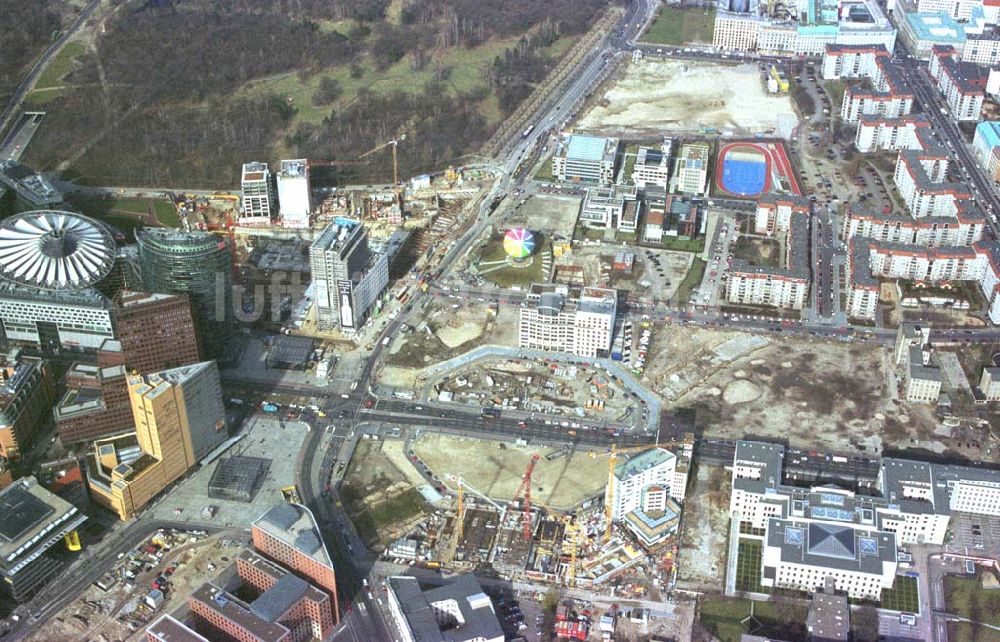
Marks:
<point>198,264</point>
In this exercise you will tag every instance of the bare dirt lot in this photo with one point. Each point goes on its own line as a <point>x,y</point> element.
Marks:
<point>755,250</point>
<point>555,215</point>
<point>701,561</point>
<point>656,96</point>
<point>109,615</point>
<point>496,468</point>
<point>825,394</point>
<point>452,327</point>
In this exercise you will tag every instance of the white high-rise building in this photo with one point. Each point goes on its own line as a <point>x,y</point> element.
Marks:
<point>652,467</point>
<point>257,194</point>
<point>348,277</point>
<point>293,193</point>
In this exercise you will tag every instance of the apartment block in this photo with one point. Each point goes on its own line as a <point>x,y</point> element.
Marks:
<point>963,84</point>
<point>885,94</point>
<point>775,211</point>
<point>785,286</point>
<point>879,133</point>
<point>561,318</point>
<point>863,293</point>
<point>986,146</point>
<point>989,383</point>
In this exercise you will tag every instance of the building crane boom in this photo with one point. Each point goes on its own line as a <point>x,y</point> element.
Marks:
<point>525,489</point>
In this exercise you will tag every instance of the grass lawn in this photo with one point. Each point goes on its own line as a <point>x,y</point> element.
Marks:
<point>682,245</point>
<point>691,280</point>
<point>506,277</point>
<point>748,566</point>
<point>902,596</point>
<point>544,172</point>
<point>467,66</point>
<point>835,92</point>
<point>627,169</point>
<point>723,617</point>
<point>965,597</point>
<point>166,213</point>
<point>674,26</point>
<point>59,66</point>
<point>126,214</point>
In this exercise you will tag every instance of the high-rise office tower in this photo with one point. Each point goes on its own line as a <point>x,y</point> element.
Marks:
<point>293,193</point>
<point>179,419</point>
<point>348,276</point>
<point>258,195</point>
<point>199,265</point>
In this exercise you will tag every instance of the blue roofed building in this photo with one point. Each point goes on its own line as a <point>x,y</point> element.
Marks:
<point>585,159</point>
<point>986,146</point>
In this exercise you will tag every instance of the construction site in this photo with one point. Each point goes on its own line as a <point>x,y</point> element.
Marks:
<point>533,513</point>
<point>451,325</point>
<point>154,578</point>
<point>553,389</point>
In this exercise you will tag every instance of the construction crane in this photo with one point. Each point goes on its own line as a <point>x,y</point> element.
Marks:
<point>525,488</point>
<point>461,510</point>
<point>465,485</point>
<point>395,164</point>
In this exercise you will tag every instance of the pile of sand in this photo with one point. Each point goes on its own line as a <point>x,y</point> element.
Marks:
<point>740,391</point>
<point>461,333</point>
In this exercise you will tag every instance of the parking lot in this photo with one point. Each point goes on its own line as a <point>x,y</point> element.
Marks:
<point>712,289</point>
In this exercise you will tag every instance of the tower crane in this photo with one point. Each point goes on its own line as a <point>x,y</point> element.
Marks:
<point>525,488</point>
<point>395,164</point>
<point>609,494</point>
<point>360,160</point>
<point>462,486</point>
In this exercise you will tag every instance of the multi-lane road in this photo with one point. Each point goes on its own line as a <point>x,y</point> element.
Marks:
<point>14,104</point>
<point>935,108</point>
